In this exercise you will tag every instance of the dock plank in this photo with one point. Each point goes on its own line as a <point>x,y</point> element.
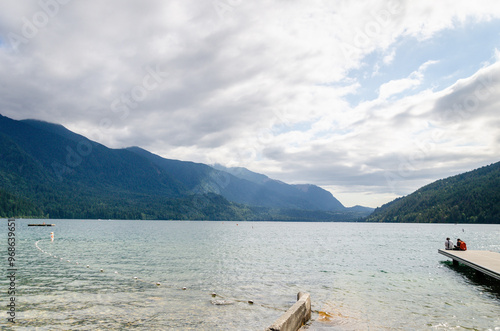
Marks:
<point>486,262</point>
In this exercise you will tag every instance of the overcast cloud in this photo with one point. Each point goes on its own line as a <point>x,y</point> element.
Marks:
<point>368,99</point>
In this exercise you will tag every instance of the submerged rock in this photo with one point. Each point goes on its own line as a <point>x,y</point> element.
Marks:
<point>221,302</point>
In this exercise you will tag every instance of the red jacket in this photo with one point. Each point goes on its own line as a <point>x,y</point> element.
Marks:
<point>463,246</point>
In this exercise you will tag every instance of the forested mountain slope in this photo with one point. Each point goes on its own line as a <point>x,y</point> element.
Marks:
<point>49,171</point>
<point>472,197</point>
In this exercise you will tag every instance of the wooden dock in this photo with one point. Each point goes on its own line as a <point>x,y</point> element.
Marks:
<point>486,262</point>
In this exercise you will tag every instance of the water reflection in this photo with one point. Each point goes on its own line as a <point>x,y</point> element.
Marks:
<point>484,283</point>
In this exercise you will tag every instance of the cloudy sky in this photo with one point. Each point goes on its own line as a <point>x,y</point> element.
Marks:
<point>368,99</point>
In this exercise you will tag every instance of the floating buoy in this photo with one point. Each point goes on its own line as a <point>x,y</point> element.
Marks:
<point>250,302</point>
<point>214,294</point>
<point>135,278</point>
<point>184,288</point>
<point>158,284</point>
<point>102,270</point>
<point>88,266</point>
<point>76,262</point>
<point>116,272</point>
<point>52,236</point>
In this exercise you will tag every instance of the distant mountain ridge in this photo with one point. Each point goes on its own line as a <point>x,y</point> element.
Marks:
<point>250,189</point>
<point>471,197</point>
<point>313,197</point>
<point>57,173</point>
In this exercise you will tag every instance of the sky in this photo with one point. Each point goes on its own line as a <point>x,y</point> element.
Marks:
<point>369,100</point>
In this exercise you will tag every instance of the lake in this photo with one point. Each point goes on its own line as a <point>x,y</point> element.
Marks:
<point>160,275</point>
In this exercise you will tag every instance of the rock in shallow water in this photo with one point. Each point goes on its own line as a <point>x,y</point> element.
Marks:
<point>221,302</point>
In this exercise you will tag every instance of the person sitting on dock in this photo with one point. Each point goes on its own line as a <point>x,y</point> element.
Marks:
<point>461,246</point>
<point>448,244</point>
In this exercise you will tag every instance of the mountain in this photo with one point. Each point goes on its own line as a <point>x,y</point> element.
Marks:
<point>62,156</point>
<point>200,179</point>
<point>304,195</point>
<point>471,197</point>
<point>49,171</point>
<point>68,176</point>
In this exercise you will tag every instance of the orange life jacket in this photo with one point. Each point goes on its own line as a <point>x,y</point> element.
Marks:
<point>463,246</point>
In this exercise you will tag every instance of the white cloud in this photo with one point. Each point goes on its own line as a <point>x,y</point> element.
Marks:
<point>389,57</point>
<point>255,84</point>
<point>397,86</point>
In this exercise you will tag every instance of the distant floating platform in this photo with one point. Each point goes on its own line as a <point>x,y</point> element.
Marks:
<point>43,224</point>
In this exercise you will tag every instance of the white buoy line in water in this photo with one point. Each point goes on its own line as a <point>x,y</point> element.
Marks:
<point>86,266</point>
<point>219,302</point>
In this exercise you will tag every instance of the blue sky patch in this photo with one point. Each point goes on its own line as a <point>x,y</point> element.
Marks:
<point>458,53</point>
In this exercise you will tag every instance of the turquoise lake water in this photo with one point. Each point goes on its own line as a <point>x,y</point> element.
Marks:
<point>361,276</point>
